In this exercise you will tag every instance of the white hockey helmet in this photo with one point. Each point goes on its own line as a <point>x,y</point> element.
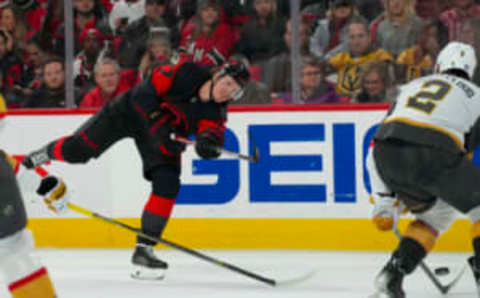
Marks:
<point>457,55</point>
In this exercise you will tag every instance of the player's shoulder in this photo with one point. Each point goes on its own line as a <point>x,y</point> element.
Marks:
<point>177,62</point>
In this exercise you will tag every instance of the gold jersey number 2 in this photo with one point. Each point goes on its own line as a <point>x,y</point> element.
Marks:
<point>426,100</point>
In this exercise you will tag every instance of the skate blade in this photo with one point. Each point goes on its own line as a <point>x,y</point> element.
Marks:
<point>143,273</point>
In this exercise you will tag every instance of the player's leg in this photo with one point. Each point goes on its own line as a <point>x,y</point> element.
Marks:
<point>25,276</point>
<point>417,242</point>
<point>156,213</point>
<point>95,136</point>
<point>406,169</point>
<point>456,181</point>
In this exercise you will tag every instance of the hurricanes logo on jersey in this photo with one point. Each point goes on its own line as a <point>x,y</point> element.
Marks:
<point>351,78</point>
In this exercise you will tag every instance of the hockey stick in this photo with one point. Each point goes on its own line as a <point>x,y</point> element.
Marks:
<point>444,289</point>
<point>231,267</point>
<point>254,158</point>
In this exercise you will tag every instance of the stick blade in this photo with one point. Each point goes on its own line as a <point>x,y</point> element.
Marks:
<point>295,280</point>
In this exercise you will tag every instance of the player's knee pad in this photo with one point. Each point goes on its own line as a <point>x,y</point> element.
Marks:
<point>439,217</point>
<point>422,233</point>
<point>166,182</point>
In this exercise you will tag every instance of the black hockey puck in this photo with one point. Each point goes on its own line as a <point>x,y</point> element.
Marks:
<point>441,271</point>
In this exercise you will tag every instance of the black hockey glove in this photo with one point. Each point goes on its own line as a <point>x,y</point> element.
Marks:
<point>207,145</point>
<point>36,158</point>
<point>163,141</point>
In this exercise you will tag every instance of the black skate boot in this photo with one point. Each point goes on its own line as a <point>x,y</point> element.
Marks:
<point>388,283</point>
<point>476,272</point>
<point>147,265</point>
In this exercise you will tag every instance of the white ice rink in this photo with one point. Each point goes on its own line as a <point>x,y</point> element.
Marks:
<point>105,274</point>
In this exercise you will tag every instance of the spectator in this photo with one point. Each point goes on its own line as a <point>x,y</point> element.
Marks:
<point>134,40</point>
<point>277,71</point>
<point>314,88</point>
<point>109,84</point>
<point>360,51</point>
<point>31,73</point>
<point>254,92</point>
<point>13,22</point>
<point>88,14</point>
<point>86,59</point>
<point>51,94</point>
<point>158,52</point>
<point>261,38</point>
<point>375,82</point>
<point>400,27</point>
<point>33,11</point>
<point>331,31</point>
<point>209,42</point>
<point>315,12</point>
<point>10,64</point>
<point>454,18</point>
<point>419,60</point>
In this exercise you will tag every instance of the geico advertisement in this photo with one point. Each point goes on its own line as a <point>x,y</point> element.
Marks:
<point>311,166</point>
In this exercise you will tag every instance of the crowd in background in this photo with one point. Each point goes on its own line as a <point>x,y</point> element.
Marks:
<point>352,51</point>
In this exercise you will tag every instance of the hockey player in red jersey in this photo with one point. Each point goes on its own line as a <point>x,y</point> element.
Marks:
<point>182,99</point>
<point>22,271</point>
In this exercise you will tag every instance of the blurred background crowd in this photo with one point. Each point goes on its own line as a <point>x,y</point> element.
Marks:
<point>349,51</point>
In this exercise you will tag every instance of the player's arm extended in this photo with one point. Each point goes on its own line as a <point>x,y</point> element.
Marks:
<point>51,188</point>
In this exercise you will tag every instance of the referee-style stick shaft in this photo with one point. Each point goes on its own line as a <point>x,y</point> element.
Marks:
<point>179,247</point>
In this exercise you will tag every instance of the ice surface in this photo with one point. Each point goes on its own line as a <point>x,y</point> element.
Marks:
<point>105,274</point>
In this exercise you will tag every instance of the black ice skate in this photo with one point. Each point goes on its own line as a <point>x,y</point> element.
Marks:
<point>476,272</point>
<point>147,265</point>
<point>388,283</point>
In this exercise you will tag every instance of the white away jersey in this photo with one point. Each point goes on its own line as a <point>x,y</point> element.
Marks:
<point>442,102</point>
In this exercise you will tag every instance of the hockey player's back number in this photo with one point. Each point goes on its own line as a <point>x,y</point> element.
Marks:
<point>429,95</point>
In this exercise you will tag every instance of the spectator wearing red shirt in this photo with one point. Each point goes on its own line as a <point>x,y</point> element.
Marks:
<point>109,84</point>
<point>209,41</point>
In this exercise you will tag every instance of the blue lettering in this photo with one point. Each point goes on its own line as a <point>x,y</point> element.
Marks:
<point>344,163</point>
<point>261,188</point>
<point>228,182</point>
